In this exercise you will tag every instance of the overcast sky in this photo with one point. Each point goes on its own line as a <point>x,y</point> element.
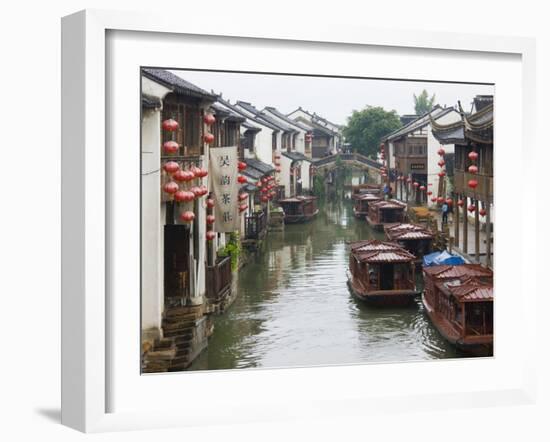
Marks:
<point>332,98</point>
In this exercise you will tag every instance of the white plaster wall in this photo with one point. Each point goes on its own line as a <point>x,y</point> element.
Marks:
<point>304,170</point>
<point>284,176</point>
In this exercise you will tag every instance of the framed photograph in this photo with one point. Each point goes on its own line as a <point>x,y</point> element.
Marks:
<point>290,223</point>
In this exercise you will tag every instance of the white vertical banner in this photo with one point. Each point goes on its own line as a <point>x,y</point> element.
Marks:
<point>224,185</point>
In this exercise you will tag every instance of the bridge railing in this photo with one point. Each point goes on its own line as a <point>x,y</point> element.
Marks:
<point>348,157</point>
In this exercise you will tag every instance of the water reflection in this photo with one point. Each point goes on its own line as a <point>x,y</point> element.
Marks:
<point>294,307</point>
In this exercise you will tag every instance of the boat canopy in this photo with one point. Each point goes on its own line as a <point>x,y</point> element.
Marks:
<point>442,258</point>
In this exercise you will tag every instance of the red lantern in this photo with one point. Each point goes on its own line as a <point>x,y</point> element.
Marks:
<point>210,203</point>
<point>171,167</point>
<point>184,196</point>
<point>460,203</point>
<point>449,201</point>
<point>242,179</point>
<point>195,171</point>
<point>170,125</point>
<point>203,190</point>
<point>210,235</point>
<point>473,155</point>
<point>415,184</point>
<point>472,184</point>
<point>434,199</point>
<point>196,190</point>
<point>441,174</point>
<point>471,208</point>
<point>243,196</point>
<point>187,216</point>
<point>429,192</point>
<point>210,219</point>
<point>264,180</point>
<point>440,199</point>
<point>201,172</point>
<point>264,199</point>
<point>171,187</point>
<point>483,212</point>
<point>208,138</point>
<point>422,188</point>
<point>259,184</point>
<point>183,175</point>
<point>441,163</point>
<point>243,207</point>
<point>209,119</point>
<point>241,165</point>
<point>263,190</point>
<point>472,169</point>
<point>170,147</point>
<point>441,151</point>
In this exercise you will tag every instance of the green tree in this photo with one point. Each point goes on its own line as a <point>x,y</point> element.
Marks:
<point>423,103</point>
<point>366,127</point>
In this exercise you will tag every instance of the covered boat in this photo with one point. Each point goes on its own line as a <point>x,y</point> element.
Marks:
<point>459,302</point>
<point>386,212</point>
<point>361,203</point>
<point>299,209</point>
<point>382,273</point>
<point>415,238</point>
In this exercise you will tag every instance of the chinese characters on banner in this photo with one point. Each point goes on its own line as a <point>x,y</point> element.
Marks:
<point>223,176</point>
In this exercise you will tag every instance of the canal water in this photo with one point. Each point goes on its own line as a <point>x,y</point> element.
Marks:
<point>294,307</point>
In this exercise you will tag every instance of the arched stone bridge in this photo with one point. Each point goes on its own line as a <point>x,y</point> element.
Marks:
<point>350,159</point>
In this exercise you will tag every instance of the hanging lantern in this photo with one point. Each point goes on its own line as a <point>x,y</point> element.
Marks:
<point>171,167</point>
<point>195,171</point>
<point>208,138</point>
<point>203,190</point>
<point>471,208</point>
<point>241,165</point>
<point>264,190</point>
<point>210,203</point>
<point>472,169</point>
<point>483,212</point>
<point>259,184</point>
<point>184,175</point>
<point>415,184</point>
<point>441,151</point>
<point>441,174</point>
<point>429,192</point>
<point>264,180</point>
<point>170,187</point>
<point>472,184</point>
<point>209,119</point>
<point>184,196</point>
<point>460,203</point>
<point>422,188</point>
<point>170,147</point>
<point>210,235</point>
<point>201,172</point>
<point>264,199</point>
<point>170,125</point>
<point>242,179</point>
<point>196,190</point>
<point>440,199</point>
<point>449,201</point>
<point>243,207</point>
<point>243,196</point>
<point>473,156</point>
<point>434,199</point>
<point>441,163</point>
<point>210,219</point>
<point>187,216</point>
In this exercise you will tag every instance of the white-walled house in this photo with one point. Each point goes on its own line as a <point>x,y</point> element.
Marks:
<point>327,139</point>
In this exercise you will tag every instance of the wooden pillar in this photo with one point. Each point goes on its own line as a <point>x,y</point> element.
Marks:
<point>465,226</point>
<point>488,236</point>
<point>456,219</point>
<point>463,319</point>
<point>476,226</point>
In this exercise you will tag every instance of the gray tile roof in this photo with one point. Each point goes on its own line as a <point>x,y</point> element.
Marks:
<point>227,113</point>
<point>176,83</point>
<point>283,117</point>
<point>419,123</point>
<point>264,168</point>
<point>234,108</point>
<point>260,115</point>
<point>150,102</point>
<point>296,156</point>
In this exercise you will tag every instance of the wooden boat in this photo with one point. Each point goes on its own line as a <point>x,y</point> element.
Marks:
<point>382,273</point>
<point>415,238</point>
<point>299,209</point>
<point>459,302</point>
<point>386,212</point>
<point>362,201</point>
<point>362,189</point>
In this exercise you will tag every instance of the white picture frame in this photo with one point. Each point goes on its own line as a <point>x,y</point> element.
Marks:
<point>88,228</point>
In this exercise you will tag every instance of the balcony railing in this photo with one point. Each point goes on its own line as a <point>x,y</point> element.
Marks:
<point>218,279</point>
<point>255,225</point>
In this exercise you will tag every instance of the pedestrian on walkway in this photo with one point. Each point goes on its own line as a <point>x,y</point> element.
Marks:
<point>444,213</point>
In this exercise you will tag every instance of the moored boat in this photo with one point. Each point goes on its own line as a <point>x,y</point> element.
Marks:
<point>386,212</point>
<point>299,209</point>
<point>361,203</point>
<point>415,238</point>
<point>459,302</point>
<point>382,273</point>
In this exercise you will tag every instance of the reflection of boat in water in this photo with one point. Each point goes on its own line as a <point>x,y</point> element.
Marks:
<point>386,212</point>
<point>382,273</point>
<point>459,302</point>
<point>299,209</point>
